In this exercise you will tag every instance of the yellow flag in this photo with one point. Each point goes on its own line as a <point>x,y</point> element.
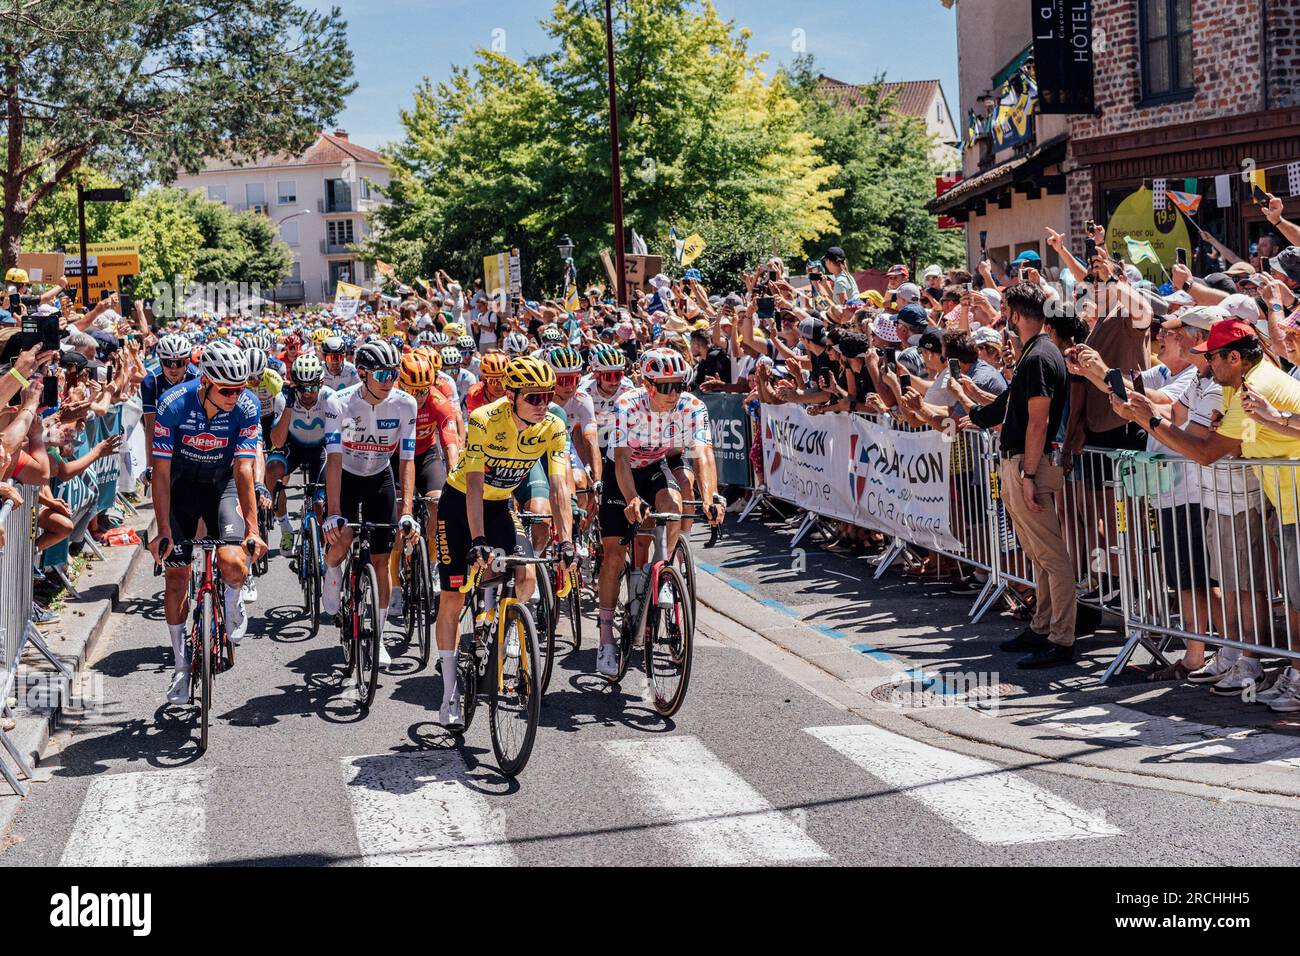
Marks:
<point>571,300</point>
<point>1259,178</point>
<point>692,246</point>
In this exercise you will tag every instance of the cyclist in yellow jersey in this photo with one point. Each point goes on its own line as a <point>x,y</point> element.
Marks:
<point>505,438</point>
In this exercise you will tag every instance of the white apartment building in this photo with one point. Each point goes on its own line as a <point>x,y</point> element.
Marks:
<point>319,199</point>
<point>919,99</point>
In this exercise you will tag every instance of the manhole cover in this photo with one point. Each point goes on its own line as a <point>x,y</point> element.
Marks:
<point>945,691</point>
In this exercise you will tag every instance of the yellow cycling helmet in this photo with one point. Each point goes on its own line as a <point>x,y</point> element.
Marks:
<point>319,336</point>
<point>416,373</point>
<point>222,331</point>
<point>453,329</point>
<point>17,275</point>
<point>493,365</point>
<point>528,372</point>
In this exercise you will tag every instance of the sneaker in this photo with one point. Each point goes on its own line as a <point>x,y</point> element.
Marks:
<point>607,660</point>
<point>248,593</point>
<point>286,542</point>
<point>1287,702</point>
<point>237,624</point>
<point>396,605</point>
<point>385,658</point>
<point>451,715</point>
<point>1212,670</point>
<point>1049,655</point>
<point>1026,640</point>
<point>41,615</point>
<point>1245,673</point>
<point>1106,592</point>
<point>179,691</point>
<point>1282,685</point>
<point>966,586</point>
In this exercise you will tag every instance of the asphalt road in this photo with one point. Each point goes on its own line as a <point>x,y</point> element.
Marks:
<point>755,769</point>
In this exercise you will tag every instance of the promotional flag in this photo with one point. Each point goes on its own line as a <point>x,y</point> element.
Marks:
<point>639,247</point>
<point>347,298</point>
<point>1258,179</point>
<point>679,245</point>
<point>1159,191</point>
<point>692,246</point>
<point>1187,203</point>
<point>1293,178</point>
<point>1140,250</point>
<point>1223,190</point>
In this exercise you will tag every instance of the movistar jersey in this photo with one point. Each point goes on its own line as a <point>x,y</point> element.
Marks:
<point>307,425</point>
<point>202,448</point>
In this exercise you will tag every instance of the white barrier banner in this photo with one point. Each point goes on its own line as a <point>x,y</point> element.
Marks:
<point>848,467</point>
<point>900,483</point>
<point>806,459</point>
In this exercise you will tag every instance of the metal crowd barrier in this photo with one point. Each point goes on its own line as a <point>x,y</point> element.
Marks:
<point>16,628</point>
<point>1176,550</point>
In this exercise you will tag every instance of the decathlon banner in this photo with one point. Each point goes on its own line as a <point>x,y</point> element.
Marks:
<point>900,482</point>
<point>806,459</point>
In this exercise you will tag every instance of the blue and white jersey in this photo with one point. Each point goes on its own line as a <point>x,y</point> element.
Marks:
<point>307,425</point>
<point>367,436</point>
<point>202,448</point>
<point>346,378</point>
<point>155,386</point>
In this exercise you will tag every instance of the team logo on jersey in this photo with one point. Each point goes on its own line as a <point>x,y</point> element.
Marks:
<point>386,423</point>
<point>162,431</point>
<point>206,441</point>
<point>252,431</point>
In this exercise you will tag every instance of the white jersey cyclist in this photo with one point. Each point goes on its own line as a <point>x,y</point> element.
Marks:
<point>367,436</point>
<point>606,362</point>
<point>307,425</point>
<point>345,378</point>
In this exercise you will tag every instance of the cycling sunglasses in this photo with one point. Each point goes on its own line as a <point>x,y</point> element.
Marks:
<point>227,390</point>
<point>567,380</point>
<point>538,398</point>
<point>307,389</point>
<point>668,388</point>
<point>384,375</point>
<point>175,363</point>
<point>610,376</point>
<point>417,392</point>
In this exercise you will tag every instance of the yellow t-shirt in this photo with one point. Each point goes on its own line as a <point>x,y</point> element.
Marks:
<point>504,454</point>
<point>1260,441</point>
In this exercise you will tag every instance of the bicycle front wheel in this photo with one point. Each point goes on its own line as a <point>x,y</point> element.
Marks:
<point>516,706</point>
<point>669,640</point>
<point>684,562</point>
<point>368,633</point>
<point>547,615</point>
<point>205,650</point>
<point>309,575</point>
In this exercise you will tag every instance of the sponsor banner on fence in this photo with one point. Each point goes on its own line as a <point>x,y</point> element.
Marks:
<point>847,467</point>
<point>900,482</point>
<point>806,459</point>
<point>730,425</point>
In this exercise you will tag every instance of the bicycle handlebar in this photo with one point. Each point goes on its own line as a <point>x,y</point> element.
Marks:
<point>202,544</point>
<point>499,565</point>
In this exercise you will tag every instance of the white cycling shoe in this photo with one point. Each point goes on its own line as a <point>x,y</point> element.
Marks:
<point>384,657</point>
<point>179,691</point>
<point>607,660</point>
<point>237,624</point>
<point>452,715</point>
<point>249,591</point>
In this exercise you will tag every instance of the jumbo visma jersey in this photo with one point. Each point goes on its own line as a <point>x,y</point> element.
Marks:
<point>504,454</point>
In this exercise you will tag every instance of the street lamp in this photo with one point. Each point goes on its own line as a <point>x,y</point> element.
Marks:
<point>566,248</point>
<point>294,215</point>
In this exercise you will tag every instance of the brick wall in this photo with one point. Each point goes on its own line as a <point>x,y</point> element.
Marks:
<point>1284,53</point>
<point>1079,191</point>
<point>1225,65</point>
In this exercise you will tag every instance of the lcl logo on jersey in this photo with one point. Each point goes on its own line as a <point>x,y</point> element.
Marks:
<point>205,441</point>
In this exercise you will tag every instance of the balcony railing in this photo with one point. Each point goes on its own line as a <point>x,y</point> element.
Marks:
<point>290,290</point>
<point>260,207</point>
<point>328,248</point>
<point>336,205</point>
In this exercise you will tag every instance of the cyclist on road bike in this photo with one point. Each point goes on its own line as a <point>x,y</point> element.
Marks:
<point>451,364</point>
<point>491,385</point>
<point>474,519</point>
<point>365,426</point>
<point>204,447</point>
<point>650,424</point>
<point>299,436</point>
<point>174,354</point>
<point>437,448</point>
<point>584,451</point>
<point>339,372</point>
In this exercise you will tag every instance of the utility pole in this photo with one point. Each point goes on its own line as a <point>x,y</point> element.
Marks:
<point>616,173</point>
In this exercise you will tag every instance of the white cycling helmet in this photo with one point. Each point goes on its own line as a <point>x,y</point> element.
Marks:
<point>515,343</point>
<point>664,365</point>
<point>256,362</point>
<point>307,370</point>
<point>173,348</point>
<point>225,363</point>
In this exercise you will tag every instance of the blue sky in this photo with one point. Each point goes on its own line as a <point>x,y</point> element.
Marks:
<point>396,42</point>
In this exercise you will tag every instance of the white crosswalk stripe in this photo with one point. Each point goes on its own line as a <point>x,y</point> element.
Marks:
<point>143,818</point>
<point>714,816</point>
<point>418,809</point>
<point>984,801</point>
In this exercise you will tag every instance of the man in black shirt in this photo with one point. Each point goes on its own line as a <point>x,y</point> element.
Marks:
<point>710,362</point>
<point>1030,411</point>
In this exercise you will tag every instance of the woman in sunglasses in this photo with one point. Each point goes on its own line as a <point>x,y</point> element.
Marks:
<point>174,367</point>
<point>651,425</point>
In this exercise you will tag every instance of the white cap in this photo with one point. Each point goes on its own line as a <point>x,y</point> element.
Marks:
<point>1241,306</point>
<point>908,292</point>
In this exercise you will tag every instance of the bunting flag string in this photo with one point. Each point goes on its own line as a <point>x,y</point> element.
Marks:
<point>1158,188</point>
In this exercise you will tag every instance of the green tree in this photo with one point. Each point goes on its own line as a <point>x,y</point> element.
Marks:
<point>511,152</point>
<point>885,175</point>
<point>142,89</point>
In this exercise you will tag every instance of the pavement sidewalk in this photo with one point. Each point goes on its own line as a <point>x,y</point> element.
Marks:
<point>43,695</point>
<point>907,648</point>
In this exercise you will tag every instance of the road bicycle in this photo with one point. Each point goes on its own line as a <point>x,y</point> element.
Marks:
<point>210,650</point>
<point>265,522</point>
<point>557,599</point>
<point>308,551</point>
<point>497,656</point>
<point>360,626</point>
<point>658,611</point>
<point>415,576</point>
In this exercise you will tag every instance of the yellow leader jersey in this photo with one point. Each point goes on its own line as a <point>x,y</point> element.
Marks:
<point>504,454</point>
